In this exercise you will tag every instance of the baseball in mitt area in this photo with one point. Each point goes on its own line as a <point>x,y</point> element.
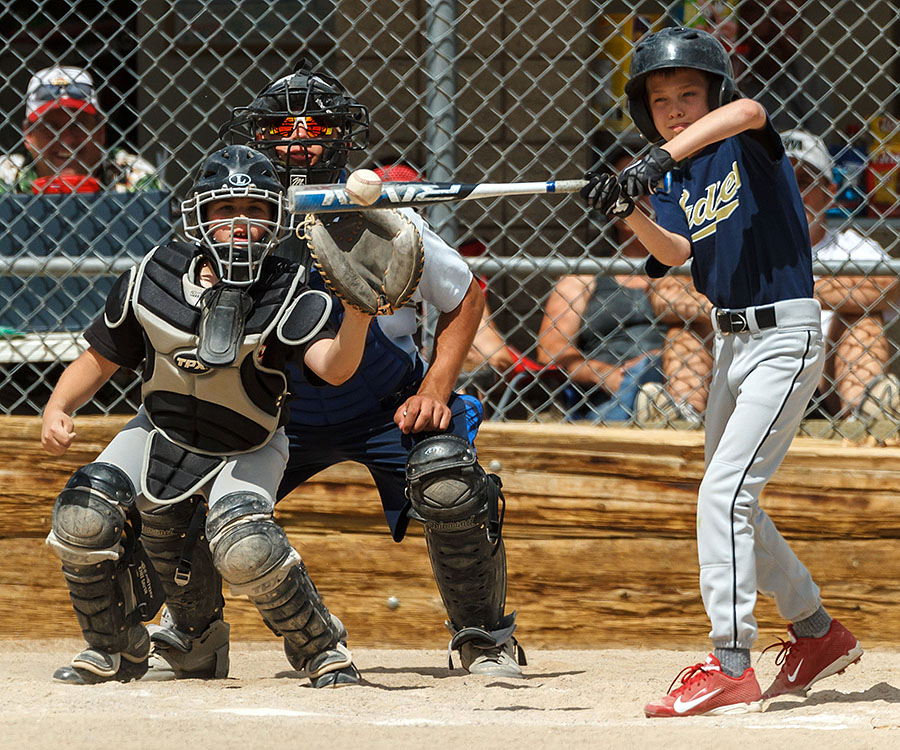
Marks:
<point>371,260</point>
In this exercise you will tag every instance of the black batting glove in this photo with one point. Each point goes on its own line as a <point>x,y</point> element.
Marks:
<point>604,193</point>
<point>646,175</point>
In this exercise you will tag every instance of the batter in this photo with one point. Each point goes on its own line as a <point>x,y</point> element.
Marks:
<point>735,209</point>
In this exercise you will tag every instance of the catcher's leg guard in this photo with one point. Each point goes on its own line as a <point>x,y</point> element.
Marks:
<point>192,638</point>
<point>460,507</point>
<point>254,556</point>
<point>112,585</point>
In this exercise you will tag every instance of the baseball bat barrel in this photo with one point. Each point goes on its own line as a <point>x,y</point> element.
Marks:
<point>317,199</point>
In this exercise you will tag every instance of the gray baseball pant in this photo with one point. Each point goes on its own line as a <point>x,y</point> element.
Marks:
<point>762,382</point>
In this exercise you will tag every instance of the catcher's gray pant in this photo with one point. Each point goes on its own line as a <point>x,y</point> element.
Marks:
<point>249,550</point>
<point>258,471</point>
<point>762,382</point>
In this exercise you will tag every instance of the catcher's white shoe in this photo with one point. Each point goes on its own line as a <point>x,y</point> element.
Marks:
<point>177,655</point>
<point>496,661</point>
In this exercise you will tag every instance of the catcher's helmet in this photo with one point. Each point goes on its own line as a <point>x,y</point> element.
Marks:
<point>677,47</point>
<point>235,172</point>
<point>335,121</point>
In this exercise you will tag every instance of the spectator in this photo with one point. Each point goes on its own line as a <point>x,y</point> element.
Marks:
<point>65,140</point>
<point>855,308</point>
<point>489,358</point>
<point>602,332</point>
<point>686,357</point>
<point>779,74</point>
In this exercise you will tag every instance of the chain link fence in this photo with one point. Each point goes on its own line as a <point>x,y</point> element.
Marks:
<point>486,90</point>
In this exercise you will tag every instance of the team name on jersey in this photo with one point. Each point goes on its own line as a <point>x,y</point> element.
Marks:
<point>717,203</point>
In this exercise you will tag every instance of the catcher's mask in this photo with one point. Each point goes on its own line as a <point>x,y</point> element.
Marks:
<point>231,173</point>
<point>677,47</point>
<point>317,103</point>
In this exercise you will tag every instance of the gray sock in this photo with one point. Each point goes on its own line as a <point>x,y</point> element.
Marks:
<point>734,661</point>
<point>814,626</point>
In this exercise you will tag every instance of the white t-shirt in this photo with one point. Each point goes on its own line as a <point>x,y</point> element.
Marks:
<point>445,280</point>
<point>848,245</point>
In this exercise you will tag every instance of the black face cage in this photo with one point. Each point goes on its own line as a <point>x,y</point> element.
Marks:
<point>314,96</point>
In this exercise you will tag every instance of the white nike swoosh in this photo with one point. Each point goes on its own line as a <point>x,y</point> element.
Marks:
<point>792,677</point>
<point>681,706</point>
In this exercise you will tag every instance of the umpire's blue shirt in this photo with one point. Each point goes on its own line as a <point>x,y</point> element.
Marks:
<point>738,204</point>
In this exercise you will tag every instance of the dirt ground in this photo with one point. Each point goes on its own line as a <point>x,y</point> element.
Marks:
<point>409,699</point>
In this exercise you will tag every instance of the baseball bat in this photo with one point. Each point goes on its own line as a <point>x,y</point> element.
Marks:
<point>317,199</point>
<point>321,199</point>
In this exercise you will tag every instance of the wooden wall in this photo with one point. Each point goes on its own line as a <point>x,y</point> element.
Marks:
<point>599,533</point>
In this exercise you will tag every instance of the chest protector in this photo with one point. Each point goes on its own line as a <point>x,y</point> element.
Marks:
<point>222,410</point>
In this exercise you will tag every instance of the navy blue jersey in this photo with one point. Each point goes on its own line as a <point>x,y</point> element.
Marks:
<point>741,210</point>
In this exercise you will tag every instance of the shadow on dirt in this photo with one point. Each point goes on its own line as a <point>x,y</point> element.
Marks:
<point>879,692</point>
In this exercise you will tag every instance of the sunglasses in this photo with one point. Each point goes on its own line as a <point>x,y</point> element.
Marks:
<point>314,127</point>
<point>49,92</point>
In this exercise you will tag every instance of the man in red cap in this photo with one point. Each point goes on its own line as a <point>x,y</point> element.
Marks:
<point>65,137</point>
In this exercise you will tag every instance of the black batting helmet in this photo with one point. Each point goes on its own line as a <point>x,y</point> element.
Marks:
<point>677,47</point>
<point>333,120</point>
<point>229,173</point>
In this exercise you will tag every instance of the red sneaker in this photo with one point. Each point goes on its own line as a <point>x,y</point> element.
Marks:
<point>706,689</point>
<point>805,661</point>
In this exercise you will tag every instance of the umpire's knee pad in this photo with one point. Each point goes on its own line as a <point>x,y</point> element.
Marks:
<point>447,487</point>
<point>249,549</point>
<point>90,514</point>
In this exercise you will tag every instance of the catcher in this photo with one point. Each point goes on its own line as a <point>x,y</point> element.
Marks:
<point>212,323</point>
<point>395,416</point>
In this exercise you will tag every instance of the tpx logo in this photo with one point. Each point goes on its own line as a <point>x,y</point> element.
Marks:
<point>239,180</point>
<point>190,363</point>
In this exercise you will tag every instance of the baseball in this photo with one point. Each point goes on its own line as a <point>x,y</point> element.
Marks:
<point>364,186</point>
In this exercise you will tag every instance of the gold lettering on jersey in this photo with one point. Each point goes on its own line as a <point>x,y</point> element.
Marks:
<point>716,204</point>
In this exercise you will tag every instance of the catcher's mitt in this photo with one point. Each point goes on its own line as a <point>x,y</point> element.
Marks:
<point>371,260</point>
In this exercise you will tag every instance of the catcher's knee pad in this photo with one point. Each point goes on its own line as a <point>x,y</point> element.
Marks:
<point>90,514</point>
<point>174,538</point>
<point>95,531</point>
<point>249,549</point>
<point>445,483</point>
<point>460,507</point>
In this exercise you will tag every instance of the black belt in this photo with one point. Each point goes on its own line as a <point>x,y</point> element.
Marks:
<point>737,321</point>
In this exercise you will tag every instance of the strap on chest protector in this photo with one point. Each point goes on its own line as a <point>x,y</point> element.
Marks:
<point>223,313</point>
